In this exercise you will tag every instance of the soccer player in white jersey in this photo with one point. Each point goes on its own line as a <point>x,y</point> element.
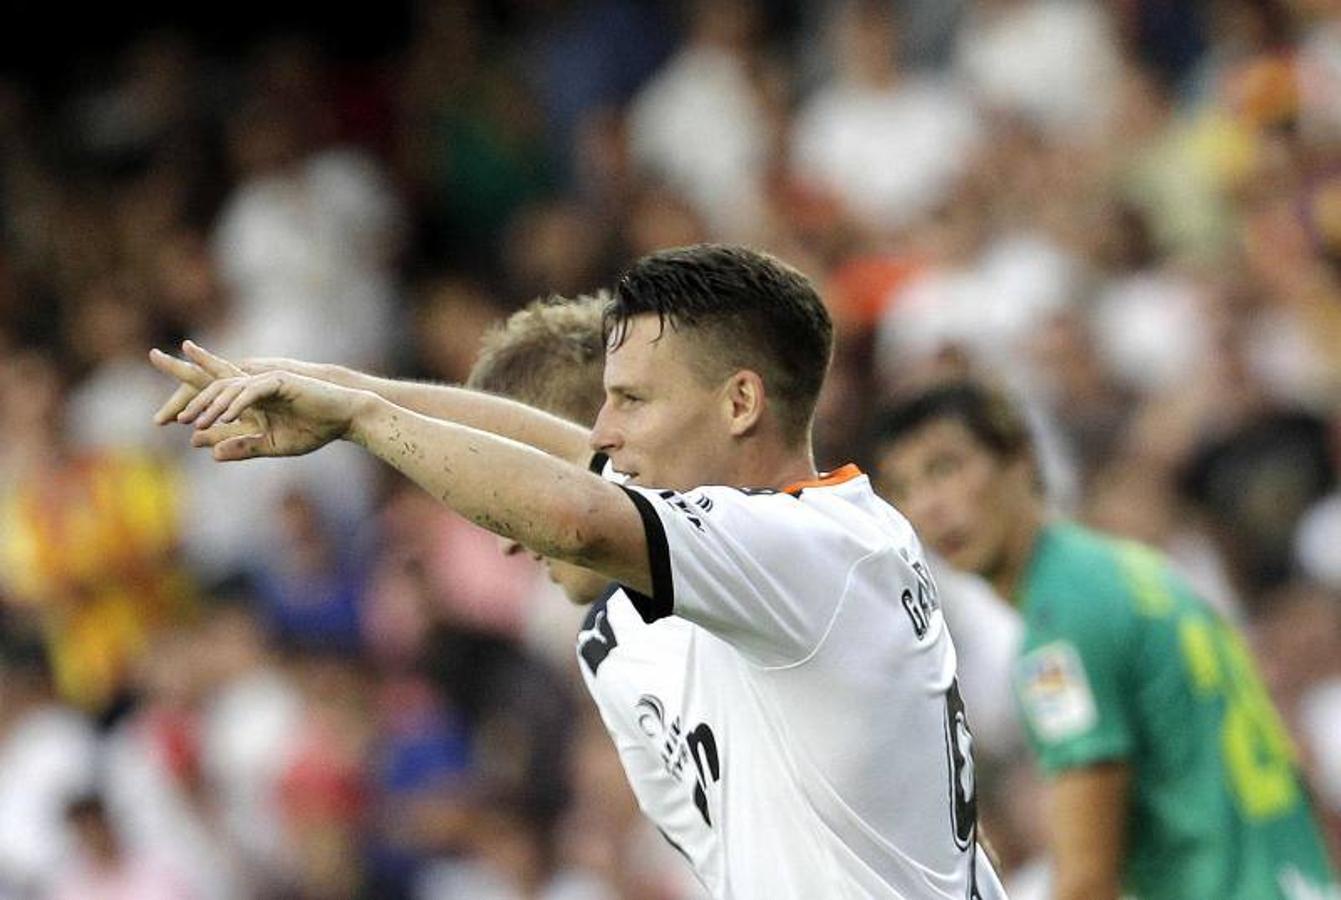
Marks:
<point>551,356</point>
<point>815,721</point>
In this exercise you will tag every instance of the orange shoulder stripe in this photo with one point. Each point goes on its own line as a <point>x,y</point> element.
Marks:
<point>826,479</point>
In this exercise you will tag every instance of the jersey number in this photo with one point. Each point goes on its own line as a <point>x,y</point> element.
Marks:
<point>1257,753</point>
<point>959,750</point>
<point>703,750</point>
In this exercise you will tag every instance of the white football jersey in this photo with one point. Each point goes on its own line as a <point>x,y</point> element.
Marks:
<point>785,702</point>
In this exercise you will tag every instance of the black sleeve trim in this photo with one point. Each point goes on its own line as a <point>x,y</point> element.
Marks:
<point>662,602</point>
<point>598,461</point>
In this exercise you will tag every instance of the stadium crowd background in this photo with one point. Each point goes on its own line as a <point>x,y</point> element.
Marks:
<point>285,679</point>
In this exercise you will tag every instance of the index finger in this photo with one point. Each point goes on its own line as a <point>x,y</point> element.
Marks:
<point>183,371</point>
<point>212,363</point>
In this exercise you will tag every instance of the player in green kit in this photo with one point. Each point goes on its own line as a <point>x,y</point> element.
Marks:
<point>1170,774</point>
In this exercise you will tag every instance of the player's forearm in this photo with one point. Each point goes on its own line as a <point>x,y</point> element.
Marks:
<point>551,506</point>
<point>474,409</point>
<point>1087,819</point>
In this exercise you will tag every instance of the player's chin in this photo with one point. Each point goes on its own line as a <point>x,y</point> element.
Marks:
<point>961,554</point>
<point>578,598</point>
<point>580,586</point>
<point>579,594</point>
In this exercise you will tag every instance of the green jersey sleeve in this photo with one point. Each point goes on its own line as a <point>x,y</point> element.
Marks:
<point>1073,683</point>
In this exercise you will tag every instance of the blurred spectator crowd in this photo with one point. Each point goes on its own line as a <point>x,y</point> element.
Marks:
<point>303,679</point>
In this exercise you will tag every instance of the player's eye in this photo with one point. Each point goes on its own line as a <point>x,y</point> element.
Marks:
<point>943,466</point>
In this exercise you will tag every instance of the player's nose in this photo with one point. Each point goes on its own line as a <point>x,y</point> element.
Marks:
<point>924,508</point>
<point>605,435</point>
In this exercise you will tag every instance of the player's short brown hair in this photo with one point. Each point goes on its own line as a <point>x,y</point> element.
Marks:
<point>550,355</point>
<point>747,309</point>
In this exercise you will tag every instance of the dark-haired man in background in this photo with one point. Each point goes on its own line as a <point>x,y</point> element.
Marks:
<point>1171,775</point>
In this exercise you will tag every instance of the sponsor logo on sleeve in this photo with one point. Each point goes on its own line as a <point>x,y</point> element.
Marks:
<point>1055,692</point>
<point>678,502</point>
<point>679,748</point>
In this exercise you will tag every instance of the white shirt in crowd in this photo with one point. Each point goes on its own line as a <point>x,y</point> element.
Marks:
<point>46,760</point>
<point>1052,62</point>
<point>890,154</point>
<point>701,126</point>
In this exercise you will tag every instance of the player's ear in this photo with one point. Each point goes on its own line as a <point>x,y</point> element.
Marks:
<point>744,401</point>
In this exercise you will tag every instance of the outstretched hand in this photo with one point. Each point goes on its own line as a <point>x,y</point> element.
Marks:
<point>241,416</point>
<point>195,372</point>
<point>199,368</point>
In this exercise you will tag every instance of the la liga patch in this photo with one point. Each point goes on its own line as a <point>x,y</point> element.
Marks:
<point>1055,692</point>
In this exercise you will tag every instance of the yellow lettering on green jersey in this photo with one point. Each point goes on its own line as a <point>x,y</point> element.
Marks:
<point>1259,758</point>
<point>1144,572</point>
